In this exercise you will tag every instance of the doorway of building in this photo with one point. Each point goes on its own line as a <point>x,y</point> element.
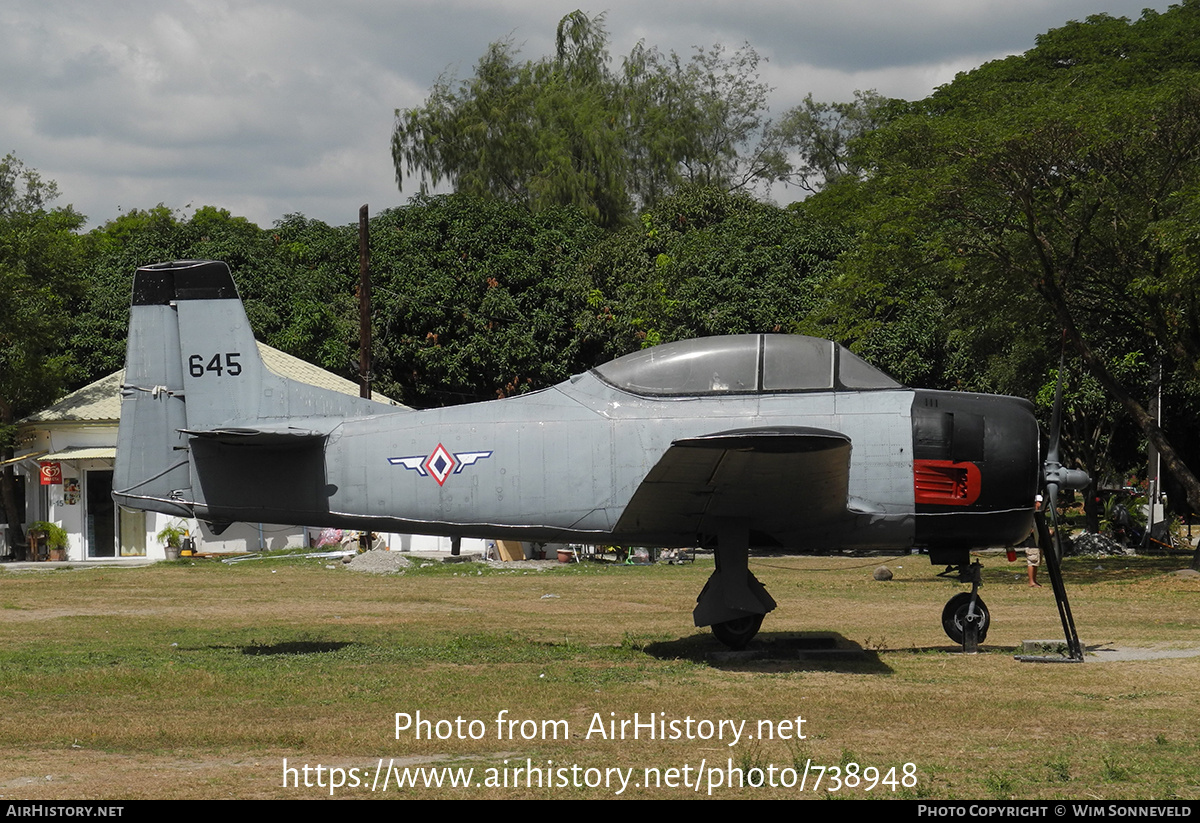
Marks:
<point>101,514</point>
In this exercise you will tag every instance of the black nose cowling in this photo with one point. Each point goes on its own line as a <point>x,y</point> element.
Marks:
<point>975,469</point>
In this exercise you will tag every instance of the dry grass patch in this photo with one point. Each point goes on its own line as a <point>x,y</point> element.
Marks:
<point>198,680</point>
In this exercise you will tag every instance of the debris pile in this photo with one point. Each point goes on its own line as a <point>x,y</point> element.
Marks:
<point>380,562</point>
<point>1095,545</point>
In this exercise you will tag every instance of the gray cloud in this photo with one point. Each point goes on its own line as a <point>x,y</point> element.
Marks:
<point>268,108</point>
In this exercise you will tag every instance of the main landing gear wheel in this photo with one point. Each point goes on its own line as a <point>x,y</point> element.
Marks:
<point>954,617</point>
<point>737,633</point>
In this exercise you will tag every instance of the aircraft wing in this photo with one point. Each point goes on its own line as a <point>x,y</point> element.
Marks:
<point>785,480</point>
<point>279,434</point>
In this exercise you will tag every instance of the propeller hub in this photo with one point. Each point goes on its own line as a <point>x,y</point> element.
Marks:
<point>1060,476</point>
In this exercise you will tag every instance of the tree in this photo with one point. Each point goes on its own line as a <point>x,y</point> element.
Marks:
<point>569,131</point>
<point>1066,172</point>
<point>534,133</point>
<point>700,123</point>
<point>821,133</point>
<point>312,288</point>
<point>39,271</point>
<point>476,299</point>
<point>705,262</point>
<point>100,320</point>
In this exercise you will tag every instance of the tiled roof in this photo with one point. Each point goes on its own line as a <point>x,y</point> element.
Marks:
<point>302,371</point>
<point>98,402</point>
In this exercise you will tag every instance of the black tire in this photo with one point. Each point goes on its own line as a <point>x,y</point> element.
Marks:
<point>954,617</point>
<point>737,633</point>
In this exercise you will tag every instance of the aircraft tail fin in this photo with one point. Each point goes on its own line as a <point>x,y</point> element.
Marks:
<point>193,368</point>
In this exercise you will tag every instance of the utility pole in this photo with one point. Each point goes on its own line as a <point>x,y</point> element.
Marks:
<point>1155,512</point>
<point>364,305</point>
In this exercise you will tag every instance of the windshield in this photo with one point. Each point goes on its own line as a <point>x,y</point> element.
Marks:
<point>743,363</point>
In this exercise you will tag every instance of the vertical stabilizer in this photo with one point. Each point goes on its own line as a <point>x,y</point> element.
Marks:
<point>152,459</point>
<point>193,373</point>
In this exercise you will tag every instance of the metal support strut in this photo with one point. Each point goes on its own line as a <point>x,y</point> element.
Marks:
<point>1074,649</point>
<point>974,616</point>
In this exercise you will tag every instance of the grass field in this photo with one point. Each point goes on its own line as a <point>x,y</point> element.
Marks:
<point>181,681</point>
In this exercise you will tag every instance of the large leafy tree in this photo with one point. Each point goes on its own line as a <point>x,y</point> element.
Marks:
<point>297,281</point>
<point>1066,173</point>
<point>476,299</point>
<point>40,270</point>
<point>568,130</point>
<point>706,262</point>
<point>700,122</point>
<point>821,135</point>
<point>307,305</point>
<point>472,297</point>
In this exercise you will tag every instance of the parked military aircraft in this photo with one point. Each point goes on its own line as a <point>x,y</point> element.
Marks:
<point>759,441</point>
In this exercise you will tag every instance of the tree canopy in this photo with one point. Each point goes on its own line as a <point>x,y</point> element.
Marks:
<point>476,299</point>
<point>568,130</point>
<point>821,135</point>
<point>706,262</point>
<point>1068,173</point>
<point>40,270</point>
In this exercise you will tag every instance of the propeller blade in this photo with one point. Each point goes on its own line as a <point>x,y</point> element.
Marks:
<point>1056,416</point>
<point>1055,535</point>
<point>1054,477</point>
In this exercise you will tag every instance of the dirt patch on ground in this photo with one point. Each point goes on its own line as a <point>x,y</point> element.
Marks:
<point>377,562</point>
<point>385,562</point>
<point>93,775</point>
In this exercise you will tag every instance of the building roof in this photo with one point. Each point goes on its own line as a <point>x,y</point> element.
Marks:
<point>285,365</point>
<point>100,402</point>
<point>81,453</point>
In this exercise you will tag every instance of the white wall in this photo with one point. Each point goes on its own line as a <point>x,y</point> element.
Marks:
<point>239,537</point>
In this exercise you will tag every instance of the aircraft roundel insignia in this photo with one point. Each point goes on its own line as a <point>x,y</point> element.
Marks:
<point>440,463</point>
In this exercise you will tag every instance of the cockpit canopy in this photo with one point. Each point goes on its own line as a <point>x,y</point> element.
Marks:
<point>743,364</point>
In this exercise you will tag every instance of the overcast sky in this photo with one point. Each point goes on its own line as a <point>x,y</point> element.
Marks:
<point>268,107</point>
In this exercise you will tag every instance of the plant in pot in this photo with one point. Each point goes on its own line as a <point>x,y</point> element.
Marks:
<point>172,537</point>
<point>55,538</point>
